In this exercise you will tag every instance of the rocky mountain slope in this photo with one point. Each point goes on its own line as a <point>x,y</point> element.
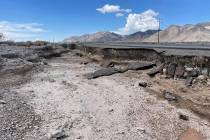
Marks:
<point>187,33</point>
<point>139,36</point>
<point>109,36</point>
<point>95,37</point>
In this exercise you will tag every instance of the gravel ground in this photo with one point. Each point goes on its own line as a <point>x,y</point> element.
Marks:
<point>105,108</point>
<point>16,116</point>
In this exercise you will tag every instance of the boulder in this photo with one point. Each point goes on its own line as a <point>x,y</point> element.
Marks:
<point>169,96</point>
<point>170,70</point>
<point>193,72</point>
<point>141,83</point>
<point>140,66</point>
<point>183,117</point>
<point>156,70</point>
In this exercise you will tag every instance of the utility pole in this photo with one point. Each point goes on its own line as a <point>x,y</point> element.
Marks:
<point>159,31</point>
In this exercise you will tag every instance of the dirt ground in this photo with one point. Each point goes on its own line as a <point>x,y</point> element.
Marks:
<point>105,108</point>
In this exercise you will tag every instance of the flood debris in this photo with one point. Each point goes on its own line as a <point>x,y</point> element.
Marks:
<point>193,73</point>
<point>84,63</point>
<point>169,96</point>
<point>141,83</point>
<point>183,117</point>
<point>156,70</point>
<point>103,72</point>
<point>112,70</point>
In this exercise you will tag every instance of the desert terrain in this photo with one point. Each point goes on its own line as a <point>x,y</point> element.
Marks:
<point>53,99</point>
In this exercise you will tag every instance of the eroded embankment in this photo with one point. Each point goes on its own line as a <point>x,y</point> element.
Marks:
<point>184,76</point>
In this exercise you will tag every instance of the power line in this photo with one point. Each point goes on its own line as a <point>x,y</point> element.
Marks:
<point>158,30</point>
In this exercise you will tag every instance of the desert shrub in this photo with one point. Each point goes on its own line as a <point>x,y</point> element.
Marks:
<point>40,43</point>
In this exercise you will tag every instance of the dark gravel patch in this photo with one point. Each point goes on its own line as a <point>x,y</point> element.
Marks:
<point>16,116</point>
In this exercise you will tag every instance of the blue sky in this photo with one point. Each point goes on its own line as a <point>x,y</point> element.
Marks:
<point>58,19</point>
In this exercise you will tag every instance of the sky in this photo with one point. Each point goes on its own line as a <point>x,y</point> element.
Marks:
<point>57,19</point>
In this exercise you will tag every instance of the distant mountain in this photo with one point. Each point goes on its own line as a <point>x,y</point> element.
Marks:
<point>205,24</point>
<point>187,33</point>
<point>109,36</point>
<point>174,33</point>
<point>96,37</point>
<point>139,36</point>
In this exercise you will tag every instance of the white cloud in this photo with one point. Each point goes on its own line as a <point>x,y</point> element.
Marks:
<point>119,14</point>
<point>140,22</point>
<point>112,9</point>
<point>17,31</point>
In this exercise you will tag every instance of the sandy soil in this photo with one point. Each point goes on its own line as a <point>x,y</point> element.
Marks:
<point>101,109</point>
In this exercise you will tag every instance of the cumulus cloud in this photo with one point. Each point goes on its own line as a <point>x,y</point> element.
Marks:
<point>20,31</point>
<point>113,9</point>
<point>140,22</point>
<point>119,15</point>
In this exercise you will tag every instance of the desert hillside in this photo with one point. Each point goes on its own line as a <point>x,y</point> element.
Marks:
<point>95,37</point>
<point>109,36</point>
<point>187,33</point>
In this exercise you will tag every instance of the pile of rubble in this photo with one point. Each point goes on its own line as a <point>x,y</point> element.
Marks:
<point>191,74</point>
<point>171,70</point>
<point>113,70</point>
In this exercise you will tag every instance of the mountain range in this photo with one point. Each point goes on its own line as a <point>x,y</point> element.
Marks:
<point>187,33</point>
<point>110,36</point>
<point>174,33</point>
<point>95,37</point>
